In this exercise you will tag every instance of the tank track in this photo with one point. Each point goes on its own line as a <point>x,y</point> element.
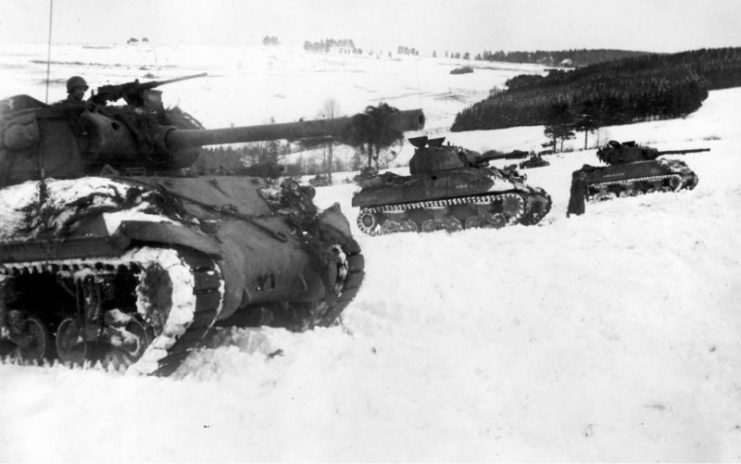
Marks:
<point>153,334</point>
<point>350,275</point>
<point>602,191</point>
<point>196,296</point>
<point>490,210</point>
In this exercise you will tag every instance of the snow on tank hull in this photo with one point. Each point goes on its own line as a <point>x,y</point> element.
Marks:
<point>135,271</point>
<point>451,200</point>
<point>593,184</point>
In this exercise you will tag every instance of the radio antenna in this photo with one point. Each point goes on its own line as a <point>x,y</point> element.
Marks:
<point>48,53</point>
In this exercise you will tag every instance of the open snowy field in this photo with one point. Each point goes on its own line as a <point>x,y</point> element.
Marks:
<point>612,336</point>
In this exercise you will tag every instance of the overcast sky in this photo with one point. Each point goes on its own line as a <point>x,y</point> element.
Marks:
<point>456,25</point>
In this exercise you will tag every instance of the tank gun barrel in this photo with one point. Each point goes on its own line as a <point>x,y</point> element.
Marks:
<point>682,152</point>
<point>339,128</point>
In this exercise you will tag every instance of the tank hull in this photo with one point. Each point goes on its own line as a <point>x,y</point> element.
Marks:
<point>230,250</point>
<point>451,200</point>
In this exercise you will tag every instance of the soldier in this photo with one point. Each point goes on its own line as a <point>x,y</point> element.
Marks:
<point>76,88</point>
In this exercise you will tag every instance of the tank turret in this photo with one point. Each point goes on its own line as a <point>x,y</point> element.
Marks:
<point>629,152</point>
<point>631,170</point>
<point>431,155</point>
<point>106,255</point>
<point>450,188</point>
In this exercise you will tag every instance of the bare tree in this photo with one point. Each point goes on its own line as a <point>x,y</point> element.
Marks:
<point>330,110</point>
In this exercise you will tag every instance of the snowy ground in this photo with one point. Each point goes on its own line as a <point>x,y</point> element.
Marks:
<point>613,336</point>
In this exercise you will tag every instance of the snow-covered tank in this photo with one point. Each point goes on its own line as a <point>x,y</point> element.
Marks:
<point>631,170</point>
<point>109,254</point>
<point>449,188</point>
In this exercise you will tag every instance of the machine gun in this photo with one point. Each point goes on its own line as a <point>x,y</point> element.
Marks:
<point>629,152</point>
<point>134,93</point>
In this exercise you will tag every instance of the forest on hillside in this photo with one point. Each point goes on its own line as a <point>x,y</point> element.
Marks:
<point>656,86</point>
<point>575,58</point>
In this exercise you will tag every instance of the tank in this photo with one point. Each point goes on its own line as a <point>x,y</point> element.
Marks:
<point>462,70</point>
<point>320,180</point>
<point>449,188</point>
<point>631,170</point>
<point>108,254</point>
<point>368,172</point>
<point>535,161</point>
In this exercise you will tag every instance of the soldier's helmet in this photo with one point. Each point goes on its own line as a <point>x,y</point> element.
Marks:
<point>74,82</point>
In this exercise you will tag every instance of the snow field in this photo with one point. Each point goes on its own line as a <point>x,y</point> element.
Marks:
<point>604,337</point>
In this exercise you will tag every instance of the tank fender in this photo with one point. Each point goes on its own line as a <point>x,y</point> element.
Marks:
<point>169,234</point>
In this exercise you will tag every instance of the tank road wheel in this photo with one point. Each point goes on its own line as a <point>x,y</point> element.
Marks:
<point>128,337</point>
<point>419,217</point>
<point>408,225</point>
<point>390,226</point>
<point>34,343</point>
<point>473,222</point>
<point>71,345</point>
<point>430,225</point>
<point>604,196</point>
<point>451,224</point>
<point>495,220</point>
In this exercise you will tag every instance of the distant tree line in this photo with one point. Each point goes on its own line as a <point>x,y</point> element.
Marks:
<point>259,158</point>
<point>264,159</point>
<point>134,40</point>
<point>454,55</point>
<point>329,44</point>
<point>646,87</point>
<point>575,58</point>
<point>404,50</point>
<point>270,40</point>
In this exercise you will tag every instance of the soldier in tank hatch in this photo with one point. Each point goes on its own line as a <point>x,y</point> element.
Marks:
<point>76,88</point>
